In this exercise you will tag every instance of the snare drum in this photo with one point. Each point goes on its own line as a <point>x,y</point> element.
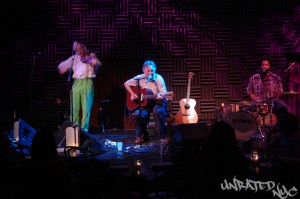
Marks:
<point>263,109</point>
<point>244,124</point>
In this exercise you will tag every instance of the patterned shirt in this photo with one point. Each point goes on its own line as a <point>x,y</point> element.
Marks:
<point>264,88</point>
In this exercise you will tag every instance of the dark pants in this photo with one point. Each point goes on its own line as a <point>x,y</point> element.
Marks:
<point>159,110</point>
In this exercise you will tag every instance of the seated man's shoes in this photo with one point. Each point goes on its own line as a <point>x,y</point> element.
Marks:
<point>144,139</point>
<point>165,140</point>
<point>137,141</point>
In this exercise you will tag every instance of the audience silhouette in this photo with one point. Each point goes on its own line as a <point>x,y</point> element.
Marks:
<point>11,168</point>
<point>218,160</point>
<point>46,172</point>
<point>222,159</point>
<point>285,151</point>
<point>287,139</point>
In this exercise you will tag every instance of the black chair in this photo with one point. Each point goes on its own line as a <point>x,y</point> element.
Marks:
<point>172,176</point>
<point>78,153</point>
<point>83,163</point>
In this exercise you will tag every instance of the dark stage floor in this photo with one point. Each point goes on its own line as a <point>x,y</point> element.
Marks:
<point>137,166</point>
<point>131,163</point>
<point>130,152</point>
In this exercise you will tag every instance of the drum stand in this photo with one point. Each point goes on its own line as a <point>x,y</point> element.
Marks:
<point>263,133</point>
<point>271,115</point>
<point>260,133</point>
<point>263,126</point>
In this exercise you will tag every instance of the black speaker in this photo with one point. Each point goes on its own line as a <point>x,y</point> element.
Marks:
<point>95,146</point>
<point>191,131</point>
<point>26,133</point>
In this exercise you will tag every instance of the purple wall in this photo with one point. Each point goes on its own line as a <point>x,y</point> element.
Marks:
<point>220,42</point>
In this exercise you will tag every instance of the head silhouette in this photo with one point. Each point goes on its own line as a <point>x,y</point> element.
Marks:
<point>287,123</point>
<point>222,138</point>
<point>43,145</point>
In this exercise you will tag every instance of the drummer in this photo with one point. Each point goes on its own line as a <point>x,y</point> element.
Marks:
<point>265,86</point>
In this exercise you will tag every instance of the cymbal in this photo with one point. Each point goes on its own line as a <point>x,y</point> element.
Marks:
<point>246,103</point>
<point>290,93</point>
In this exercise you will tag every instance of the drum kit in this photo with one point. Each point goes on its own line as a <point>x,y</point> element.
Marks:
<point>251,118</point>
<point>252,121</point>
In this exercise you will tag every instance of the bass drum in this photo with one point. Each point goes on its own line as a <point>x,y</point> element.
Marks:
<point>244,124</point>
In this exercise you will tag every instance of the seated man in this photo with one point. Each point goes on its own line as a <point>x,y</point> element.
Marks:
<point>151,82</point>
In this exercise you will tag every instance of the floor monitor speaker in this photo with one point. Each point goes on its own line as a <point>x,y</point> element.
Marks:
<point>24,135</point>
<point>191,131</point>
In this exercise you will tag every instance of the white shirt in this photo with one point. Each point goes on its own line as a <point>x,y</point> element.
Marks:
<point>80,70</point>
<point>156,85</point>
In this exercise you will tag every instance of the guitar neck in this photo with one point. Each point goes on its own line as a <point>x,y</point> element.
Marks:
<point>149,96</point>
<point>188,91</point>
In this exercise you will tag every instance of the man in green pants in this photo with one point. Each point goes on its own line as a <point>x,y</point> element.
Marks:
<point>84,65</point>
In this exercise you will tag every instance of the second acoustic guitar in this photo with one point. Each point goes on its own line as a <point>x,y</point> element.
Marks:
<point>186,113</point>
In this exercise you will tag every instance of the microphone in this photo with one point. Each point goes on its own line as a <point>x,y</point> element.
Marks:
<point>266,70</point>
<point>152,78</point>
<point>139,78</point>
<point>262,73</point>
<point>36,53</point>
<point>291,66</point>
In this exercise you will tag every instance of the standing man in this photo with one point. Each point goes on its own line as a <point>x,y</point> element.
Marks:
<point>84,66</point>
<point>155,83</point>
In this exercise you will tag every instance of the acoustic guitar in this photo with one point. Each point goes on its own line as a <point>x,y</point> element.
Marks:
<point>145,95</point>
<point>187,114</point>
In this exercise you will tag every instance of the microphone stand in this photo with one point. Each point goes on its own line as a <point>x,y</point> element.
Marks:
<point>140,110</point>
<point>290,67</point>
<point>70,87</point>
<point>30,83</point>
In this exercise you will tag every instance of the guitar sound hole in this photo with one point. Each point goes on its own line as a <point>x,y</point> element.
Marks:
<point>187,106</point>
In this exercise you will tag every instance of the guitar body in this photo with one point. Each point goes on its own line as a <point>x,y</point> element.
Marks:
<point>146,97</point>
<point>134,104</point>
<point>184,115</point>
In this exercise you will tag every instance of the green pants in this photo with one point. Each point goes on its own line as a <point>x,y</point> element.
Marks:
<point>82,100</point>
